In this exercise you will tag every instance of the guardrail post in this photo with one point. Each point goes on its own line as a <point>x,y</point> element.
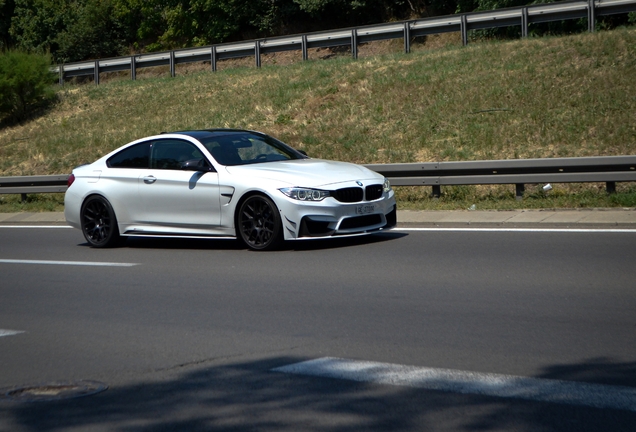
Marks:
<point>464,29</point>
<point>591,16</point>
<point>354,44</point>
<point>407,37</point>
<point>437,191</point>
<point>173,71</point>
<point>257,53</point>
<point>213,58</point>
<point>524,22</point>
<point>610,187</point>
<point>304,47</point>
<point>519,189</point>
<point>23,197</point>
<point>96,72</point>
<point>61,73</point>
<point>133,68</point>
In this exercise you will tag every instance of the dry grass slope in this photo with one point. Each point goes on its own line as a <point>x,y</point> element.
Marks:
<point>545,97</point>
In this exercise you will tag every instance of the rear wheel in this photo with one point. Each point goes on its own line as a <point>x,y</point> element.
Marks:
<point>259,224</point>
<point>99,224</point>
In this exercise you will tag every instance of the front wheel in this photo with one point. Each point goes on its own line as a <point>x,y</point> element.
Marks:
<point>99,224</point>
<point>259,224</point>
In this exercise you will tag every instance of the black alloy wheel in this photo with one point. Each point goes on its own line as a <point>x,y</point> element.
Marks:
<point>99,224</point>
<point>258,223</point>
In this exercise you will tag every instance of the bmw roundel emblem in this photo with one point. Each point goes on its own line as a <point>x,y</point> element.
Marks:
<point>358,182</point>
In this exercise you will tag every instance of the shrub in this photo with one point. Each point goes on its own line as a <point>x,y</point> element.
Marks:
<point>25,84</point>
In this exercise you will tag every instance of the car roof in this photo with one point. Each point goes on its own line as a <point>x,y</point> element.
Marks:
<point>209,133</point>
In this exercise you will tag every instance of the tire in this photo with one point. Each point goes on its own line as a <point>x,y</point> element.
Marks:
<point>99,224</point>
<point>258,223</point>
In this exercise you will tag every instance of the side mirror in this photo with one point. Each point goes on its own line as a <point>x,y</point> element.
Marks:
<point>198,165</point>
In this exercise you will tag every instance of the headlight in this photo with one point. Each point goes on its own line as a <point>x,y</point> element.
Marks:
<point>387,185</point>
<point>303,194</point>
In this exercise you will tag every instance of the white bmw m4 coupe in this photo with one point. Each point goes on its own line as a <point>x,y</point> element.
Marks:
<point>224,183</point>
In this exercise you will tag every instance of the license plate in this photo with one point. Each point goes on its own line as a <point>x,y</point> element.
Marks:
<point>365,209</point>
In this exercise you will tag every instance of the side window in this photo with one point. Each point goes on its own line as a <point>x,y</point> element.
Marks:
<point>170,154</point>
<point>136,156</point>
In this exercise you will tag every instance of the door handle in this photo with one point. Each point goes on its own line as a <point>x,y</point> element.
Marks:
<point>150,179</point>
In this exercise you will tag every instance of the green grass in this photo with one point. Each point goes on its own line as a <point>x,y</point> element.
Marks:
<point>503,197</point>
<point>34,203</point>
<point>533,98</point>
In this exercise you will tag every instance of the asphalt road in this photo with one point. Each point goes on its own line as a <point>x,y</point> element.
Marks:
<point>186,333</point>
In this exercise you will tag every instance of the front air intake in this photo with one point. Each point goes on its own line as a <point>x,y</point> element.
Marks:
<point>373,192</point>
<point>348,195</point>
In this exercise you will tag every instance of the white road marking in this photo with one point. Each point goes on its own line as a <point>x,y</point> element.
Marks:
<point>487,384</point>
<point>10,332</point>
<point>550,230</point>
<point>72,263</point>
<point>35,226</point>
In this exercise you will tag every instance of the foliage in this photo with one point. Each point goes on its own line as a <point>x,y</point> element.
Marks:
<point>74,30</point>
<point>93,31</point>
<point>360,11</point>
<point>36,23</point>
<point>447,7</point>
<point>6,12</point>
<point>25,83</point>
<point>541,29</point>
<point>71,29</point>
<point>167,24</point>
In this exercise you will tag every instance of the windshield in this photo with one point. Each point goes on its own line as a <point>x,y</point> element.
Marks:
<point>241,148</point>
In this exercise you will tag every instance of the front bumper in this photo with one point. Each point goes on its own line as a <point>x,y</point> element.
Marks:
<point>331,218</point>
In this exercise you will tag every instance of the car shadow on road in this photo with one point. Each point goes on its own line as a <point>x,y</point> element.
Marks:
<point>248,395</point>
<point>235,245</point>
<point>181,243</point>
<point>342,242</point>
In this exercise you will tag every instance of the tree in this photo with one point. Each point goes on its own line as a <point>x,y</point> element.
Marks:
<point>70,30</point>
<point>360,12</point>
<point>6,12</point>
<point>36,23</point>
<point>25,83</point>
<point>94,31</point>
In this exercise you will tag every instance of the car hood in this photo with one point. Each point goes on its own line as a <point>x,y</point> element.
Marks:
<point>307,172</point>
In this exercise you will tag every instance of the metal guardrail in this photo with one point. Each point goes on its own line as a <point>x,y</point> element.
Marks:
<point>519,16</point>
<point>608,169</point>
<point>33,184</point>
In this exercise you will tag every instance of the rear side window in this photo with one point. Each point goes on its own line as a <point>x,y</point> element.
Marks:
<point>137,156</point>
<point>170,154</point>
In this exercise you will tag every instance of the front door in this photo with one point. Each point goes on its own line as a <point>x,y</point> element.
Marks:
<point>172,197</point>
